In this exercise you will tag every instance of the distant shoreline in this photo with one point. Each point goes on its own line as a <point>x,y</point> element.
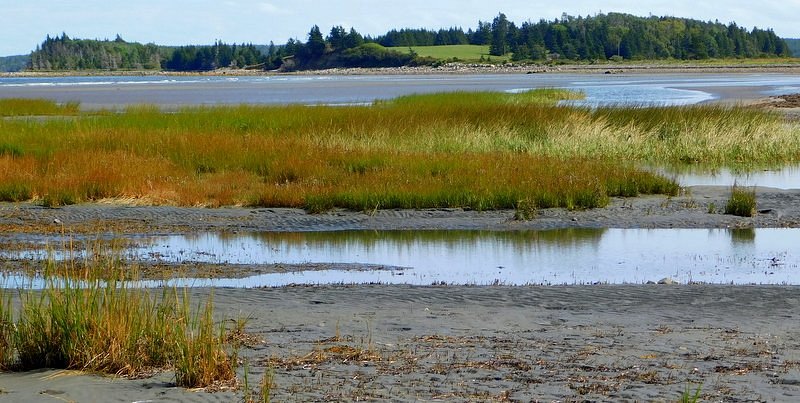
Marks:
<point>450,68</point>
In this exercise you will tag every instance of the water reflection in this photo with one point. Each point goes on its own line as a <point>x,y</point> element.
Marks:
<point>743,236</point>
<point>786,177</point>
<point>571,256</point>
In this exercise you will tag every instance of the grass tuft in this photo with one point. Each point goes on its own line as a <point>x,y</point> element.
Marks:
<point>94,320</point>
<point>689,396</point>
<point>742,202</point>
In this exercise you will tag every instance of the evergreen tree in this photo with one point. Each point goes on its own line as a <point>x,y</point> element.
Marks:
<point>499,41</point>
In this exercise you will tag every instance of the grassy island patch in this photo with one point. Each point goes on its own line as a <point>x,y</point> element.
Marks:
<point>465,149</point>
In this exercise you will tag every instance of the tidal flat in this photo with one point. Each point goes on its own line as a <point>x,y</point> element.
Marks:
<point>466,161</point>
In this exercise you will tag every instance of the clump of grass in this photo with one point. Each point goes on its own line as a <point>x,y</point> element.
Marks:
<point>742,202</point>
<point>526,210</point>
<point>36,107</point>
<point>109,326</point>
<point>59,197</point>
<point>199,359</point>
<point>14,192</point>
<point>6,332</point>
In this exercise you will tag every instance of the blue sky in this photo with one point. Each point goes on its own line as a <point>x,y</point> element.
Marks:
<point>24,23</point>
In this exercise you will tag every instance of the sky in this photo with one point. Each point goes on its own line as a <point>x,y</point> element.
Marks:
<point>25,23</point>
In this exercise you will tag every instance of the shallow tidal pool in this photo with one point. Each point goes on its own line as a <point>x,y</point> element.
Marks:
<point>565,256</point>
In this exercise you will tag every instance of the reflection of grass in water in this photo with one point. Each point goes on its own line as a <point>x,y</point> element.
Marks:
<point>520,239</point>
<point>743,235</point>
<point>476,150</point>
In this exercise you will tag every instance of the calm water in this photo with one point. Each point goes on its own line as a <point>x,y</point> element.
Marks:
<point>638,89</point>
<point>762,256</point>
<point>787,177</point>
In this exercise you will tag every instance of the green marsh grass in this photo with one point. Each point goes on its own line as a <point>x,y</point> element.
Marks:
<point>101,323</point>
<point>471,150</point>
<point>742,202</point>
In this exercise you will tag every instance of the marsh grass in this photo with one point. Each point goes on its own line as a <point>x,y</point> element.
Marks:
<point>100,322</point>
<point>742,202</point>
<point>36,107</point>
<point>471,150</point>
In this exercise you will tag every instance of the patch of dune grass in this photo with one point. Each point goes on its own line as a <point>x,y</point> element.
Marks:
<point>473,150</point>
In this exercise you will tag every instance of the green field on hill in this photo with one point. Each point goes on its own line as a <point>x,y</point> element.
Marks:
<point>469,53</point>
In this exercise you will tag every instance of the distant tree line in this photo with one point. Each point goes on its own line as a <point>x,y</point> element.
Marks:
<point>606,36</point>
<point>599,37</point>
<point>14,63</point>
<point>340,48</point>
<point>64,53</point>
<point>219,55</point>
<point>423,37</point>
<point>602,37</point>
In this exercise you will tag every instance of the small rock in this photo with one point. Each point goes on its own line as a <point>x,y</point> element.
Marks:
<point>667,281</point>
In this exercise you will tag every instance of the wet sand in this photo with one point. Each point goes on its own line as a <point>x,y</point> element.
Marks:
<point>400,343</point>
<point>777,209</point>
<point>461,343</point>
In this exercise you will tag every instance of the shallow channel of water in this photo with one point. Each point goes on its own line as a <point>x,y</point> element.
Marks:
<point>600,89</point>
<point>570,256</point>
<point>786,177</point>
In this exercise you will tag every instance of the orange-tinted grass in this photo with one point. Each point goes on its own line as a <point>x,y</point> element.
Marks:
<point>426,151</point>
<point>291,174</point>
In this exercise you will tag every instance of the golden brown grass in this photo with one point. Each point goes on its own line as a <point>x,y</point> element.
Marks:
<point>473,150</point>
<point>101,322</point>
